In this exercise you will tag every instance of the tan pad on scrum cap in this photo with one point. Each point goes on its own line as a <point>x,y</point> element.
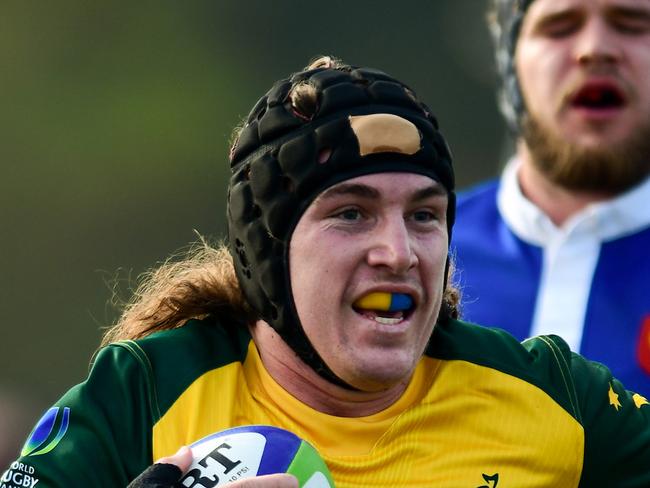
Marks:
<point>380,133</point>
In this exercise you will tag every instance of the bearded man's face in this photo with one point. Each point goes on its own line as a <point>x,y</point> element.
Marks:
<point>583,71</point>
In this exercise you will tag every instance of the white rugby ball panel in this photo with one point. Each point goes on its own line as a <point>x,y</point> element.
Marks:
<point>254,450</point>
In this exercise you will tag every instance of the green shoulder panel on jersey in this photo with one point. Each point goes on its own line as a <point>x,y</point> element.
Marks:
<point>616,422</point>
<point>99,433</point>
<point>541,361</point>
<point>617,428</point>
<point>175,358</point>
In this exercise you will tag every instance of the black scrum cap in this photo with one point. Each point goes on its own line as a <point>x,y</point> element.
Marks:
<point>352,122</point>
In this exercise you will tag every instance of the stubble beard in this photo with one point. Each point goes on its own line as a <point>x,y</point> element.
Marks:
<point>608,170</point>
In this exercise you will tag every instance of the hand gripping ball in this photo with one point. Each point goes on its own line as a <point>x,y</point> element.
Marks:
<point>254,450</point>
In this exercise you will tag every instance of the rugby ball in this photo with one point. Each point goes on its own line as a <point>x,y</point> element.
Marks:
<point>254,450</point>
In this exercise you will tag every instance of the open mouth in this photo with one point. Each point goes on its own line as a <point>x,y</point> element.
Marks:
<point>385,308</point>
<point>598,96</point>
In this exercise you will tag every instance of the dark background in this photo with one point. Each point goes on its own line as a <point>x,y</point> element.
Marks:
<point>115,118</point>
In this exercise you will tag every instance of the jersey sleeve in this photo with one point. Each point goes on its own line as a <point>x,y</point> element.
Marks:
<point>617,428</point>
<point>98,434</point>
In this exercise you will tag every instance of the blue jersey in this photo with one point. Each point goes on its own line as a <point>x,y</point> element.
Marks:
<point>588,281</point>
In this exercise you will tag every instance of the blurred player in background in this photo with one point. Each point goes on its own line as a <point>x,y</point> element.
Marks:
<point>561,243</point>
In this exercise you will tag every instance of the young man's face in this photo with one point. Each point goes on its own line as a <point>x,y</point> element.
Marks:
<point>583,70</point>
<point>377,233</point>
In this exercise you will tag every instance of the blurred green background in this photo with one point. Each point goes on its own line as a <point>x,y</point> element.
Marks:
<point>113,141</point>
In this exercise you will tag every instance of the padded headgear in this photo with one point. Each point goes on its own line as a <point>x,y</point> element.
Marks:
<point>506,17</point>
<point>290,150</point>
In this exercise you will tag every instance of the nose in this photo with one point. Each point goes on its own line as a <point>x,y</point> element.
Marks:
<point>392,247</point>
<point>596,44</point>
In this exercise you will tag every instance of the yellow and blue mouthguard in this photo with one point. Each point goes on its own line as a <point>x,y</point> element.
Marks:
<point>384,301</point>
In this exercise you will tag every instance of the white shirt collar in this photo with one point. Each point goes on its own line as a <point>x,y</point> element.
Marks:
<point>620,216</point>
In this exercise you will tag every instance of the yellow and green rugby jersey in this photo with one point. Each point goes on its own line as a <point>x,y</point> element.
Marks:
<point>482,411</point>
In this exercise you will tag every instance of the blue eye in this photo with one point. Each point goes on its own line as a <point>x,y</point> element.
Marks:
<point>350,214</point>
<point>423,216</point>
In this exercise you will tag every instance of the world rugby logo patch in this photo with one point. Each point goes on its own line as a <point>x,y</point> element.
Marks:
<point>42,439</point>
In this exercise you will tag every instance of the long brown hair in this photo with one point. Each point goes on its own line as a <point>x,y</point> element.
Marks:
<point>195,284</point>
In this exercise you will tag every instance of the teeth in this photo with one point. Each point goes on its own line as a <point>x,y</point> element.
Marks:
<point>381,319</point>
<point>387,320</point>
